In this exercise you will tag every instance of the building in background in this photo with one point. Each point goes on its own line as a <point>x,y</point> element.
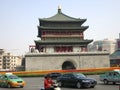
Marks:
<point>9,61</point>
<point>1,58</point>
<point>115,57</point>
<point>118,42</point>
<point>104,45</point>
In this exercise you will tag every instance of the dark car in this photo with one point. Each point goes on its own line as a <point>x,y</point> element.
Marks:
<point>54,75</point>
<point>77,80</point>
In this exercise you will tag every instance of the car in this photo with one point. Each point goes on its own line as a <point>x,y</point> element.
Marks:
<point>110,77</point>
<point>10,80</point>
<point>54,75</point>
<point>77,80</point>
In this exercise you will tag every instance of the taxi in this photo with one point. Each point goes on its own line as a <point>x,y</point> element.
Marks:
<point>10,80</point>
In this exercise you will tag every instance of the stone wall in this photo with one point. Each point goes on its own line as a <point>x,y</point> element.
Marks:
<point>38,61</point>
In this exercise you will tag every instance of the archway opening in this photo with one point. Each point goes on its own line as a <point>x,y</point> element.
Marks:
<point>68,65</point>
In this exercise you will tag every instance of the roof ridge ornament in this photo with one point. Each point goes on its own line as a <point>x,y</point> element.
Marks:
<point>59,9</point>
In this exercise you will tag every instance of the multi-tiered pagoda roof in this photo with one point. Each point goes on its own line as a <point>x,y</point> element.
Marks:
<point>62,22</point>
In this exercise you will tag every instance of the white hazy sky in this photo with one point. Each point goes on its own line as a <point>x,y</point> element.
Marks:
<point>19,20</point>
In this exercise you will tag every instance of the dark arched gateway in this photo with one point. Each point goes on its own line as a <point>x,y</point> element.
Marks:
<point>68,65</point>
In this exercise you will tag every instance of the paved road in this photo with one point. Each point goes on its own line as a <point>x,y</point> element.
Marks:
<point>36,83</point>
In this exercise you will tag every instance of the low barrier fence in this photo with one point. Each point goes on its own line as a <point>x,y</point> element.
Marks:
<point>42,72</point>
